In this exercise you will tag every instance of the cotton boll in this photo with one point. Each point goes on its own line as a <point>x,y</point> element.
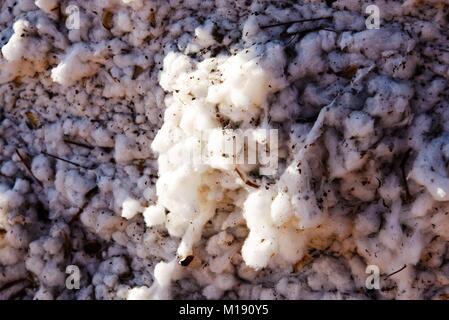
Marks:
<point>46,5</point>
<point>258,249</point>
<point>198,117</point>
<point>27,50</point>
<point>139,293</point>
<point>163,275</point>
<point>174,65</point>
<point>130,208</point>
<point>154,215</point>
<point>261,243</point>
<point>243,90</point>
<point>281,209</point>
<point>178,191</point>
<point>204,34</point>
<point>15,48</point>
<point>78,63</point>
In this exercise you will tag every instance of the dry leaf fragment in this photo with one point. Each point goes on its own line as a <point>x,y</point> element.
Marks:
<point>107,19</point>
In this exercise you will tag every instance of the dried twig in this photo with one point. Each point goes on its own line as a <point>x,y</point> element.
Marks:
<point>293,22</point>
<point>79,144</point>
<point>27,166</point>
<point>89,195</point>
<point>397,271</point>
<point>246,181</point>
<point>65,160</point>
<point>404,177</point>
<point>302,33</point>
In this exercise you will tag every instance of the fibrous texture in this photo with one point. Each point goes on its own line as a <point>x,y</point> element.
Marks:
<point>115,122</point>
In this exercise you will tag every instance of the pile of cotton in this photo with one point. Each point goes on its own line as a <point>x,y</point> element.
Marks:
<point>223,150</point>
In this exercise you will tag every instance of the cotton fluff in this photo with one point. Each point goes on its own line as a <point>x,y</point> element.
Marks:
<point>188,129</point>
<point>46,5</point>
<point>130,208</point>
<point>361,161</point>
<point>79,62</point>
<point>24,54</point>
<point>154,215</point>
<point>262,242</point>
<point>244,87</point>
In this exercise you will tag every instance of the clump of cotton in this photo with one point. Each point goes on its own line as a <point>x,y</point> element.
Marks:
<point>24,54</point>
<point>361,118</point>
<point>47,5</point>
<point>197,172</point>
<point>190,142</point>
<point>79,62</point>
